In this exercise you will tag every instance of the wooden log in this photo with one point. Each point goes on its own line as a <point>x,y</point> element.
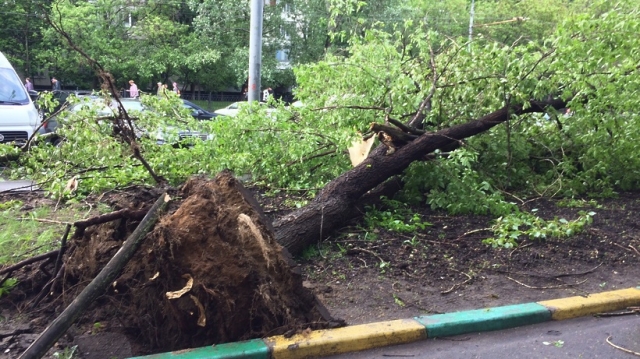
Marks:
<point>97,286</point>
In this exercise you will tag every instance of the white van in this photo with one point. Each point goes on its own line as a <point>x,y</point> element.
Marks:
<point>18,115</point>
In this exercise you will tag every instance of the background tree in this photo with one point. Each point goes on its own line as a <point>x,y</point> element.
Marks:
<point>21,27</point>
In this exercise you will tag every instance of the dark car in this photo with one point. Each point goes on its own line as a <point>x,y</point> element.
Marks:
<point>197,111</point>
<point>62,95</point>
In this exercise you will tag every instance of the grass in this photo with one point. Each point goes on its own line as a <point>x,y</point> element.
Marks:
<point>212,105</point>
<point>23,236</point>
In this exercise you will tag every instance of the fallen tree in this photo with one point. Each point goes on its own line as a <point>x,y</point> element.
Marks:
<point>337,202</point>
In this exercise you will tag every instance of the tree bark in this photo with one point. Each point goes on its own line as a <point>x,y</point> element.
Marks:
<point>338,201</point>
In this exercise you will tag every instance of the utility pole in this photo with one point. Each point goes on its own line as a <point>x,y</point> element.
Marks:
<point>471,23</point>
<point>255,50</point>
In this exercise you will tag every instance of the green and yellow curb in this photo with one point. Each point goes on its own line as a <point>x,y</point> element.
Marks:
<point>367,336</point>
<point>573,307</point>
<point>483,320</point>
<point>346,339</point>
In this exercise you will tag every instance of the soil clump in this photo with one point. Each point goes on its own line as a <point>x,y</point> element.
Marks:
<point>209,272</point>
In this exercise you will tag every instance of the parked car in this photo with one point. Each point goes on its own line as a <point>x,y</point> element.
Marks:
<point>197,111</point>
<point>19,117</point>
<point>62,95</point>
<point>234,108</point>
<point>131,105</point>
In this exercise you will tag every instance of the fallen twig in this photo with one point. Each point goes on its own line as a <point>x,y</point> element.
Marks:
<point>634,249</point>
<point>44,220</point>
<point>629,311</point>
<point>16,332</point>
<point>547,287</point>
<point>362,250</point>
<point>581,273</point>
<point>623,247</point>
<point>469,278</point>
<point>551,276</point>
<point>621,348</point>
<point>471,232</point>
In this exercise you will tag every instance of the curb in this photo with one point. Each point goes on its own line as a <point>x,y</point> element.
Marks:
<point>368,336</point>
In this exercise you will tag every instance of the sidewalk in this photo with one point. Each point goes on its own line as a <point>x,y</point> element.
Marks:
<point>374,335</point>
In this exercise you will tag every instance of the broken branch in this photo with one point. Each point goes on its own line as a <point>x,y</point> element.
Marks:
<point>123,213</point>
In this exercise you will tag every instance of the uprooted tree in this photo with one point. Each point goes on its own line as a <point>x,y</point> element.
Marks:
<point>463,127</point>
<point>447,93</point>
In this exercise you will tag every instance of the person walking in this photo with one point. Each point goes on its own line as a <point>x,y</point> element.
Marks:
<point>160,88</point>
<point>55,84</point>
<point>28,84</point>
<point>266,93</point>
<point>176,89</point>
<point>133,89</point>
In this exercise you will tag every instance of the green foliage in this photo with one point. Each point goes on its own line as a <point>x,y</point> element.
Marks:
<point>313,252</point>
<point>578,203</point>
<point>21,235</point>
<point>396,217</point>
<point>67,353</point>
<point>509,229</point>
<point>7,286</point>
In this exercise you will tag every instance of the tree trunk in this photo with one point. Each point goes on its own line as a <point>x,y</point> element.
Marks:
<point>338,201</point>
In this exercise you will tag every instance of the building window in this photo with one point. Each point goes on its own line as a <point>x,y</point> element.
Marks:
<point>282,55</point>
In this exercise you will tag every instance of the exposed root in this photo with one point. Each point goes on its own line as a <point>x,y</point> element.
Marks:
<point>246,220</point>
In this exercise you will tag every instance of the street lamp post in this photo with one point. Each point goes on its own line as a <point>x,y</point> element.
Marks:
<point>255,50</point>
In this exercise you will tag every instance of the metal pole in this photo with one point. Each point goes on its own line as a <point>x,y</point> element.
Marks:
<point>471,23</point>
<point>255,50</point>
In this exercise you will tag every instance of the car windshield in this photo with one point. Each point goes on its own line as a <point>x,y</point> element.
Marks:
<point>11,89</point>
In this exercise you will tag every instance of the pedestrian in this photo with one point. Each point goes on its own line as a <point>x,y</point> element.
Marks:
<point>28,84</point>
<point>266,93</point>
<point>176,89</point>
<point>160,88</point>
<point>133,89</point>
<point>55,84</point>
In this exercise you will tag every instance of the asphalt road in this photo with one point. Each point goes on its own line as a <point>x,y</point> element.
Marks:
<point>21,186</point>
<point>577,338</point>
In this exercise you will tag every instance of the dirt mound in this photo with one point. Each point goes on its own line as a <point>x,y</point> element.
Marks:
<point>209,272</point>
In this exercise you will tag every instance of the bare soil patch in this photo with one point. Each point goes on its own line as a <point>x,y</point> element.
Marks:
<point>447,267</point>
<point>249,288</point>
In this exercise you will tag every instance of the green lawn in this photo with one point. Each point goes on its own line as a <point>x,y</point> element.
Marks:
<point>212,105</point>
<point>24,234</point>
